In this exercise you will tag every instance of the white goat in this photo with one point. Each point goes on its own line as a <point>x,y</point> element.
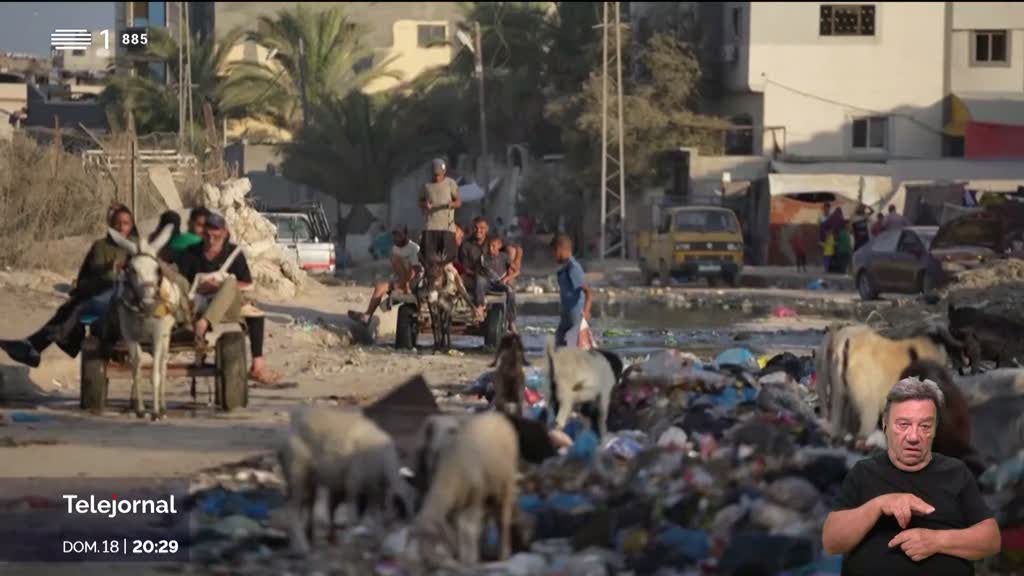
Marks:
<point>148,306</point>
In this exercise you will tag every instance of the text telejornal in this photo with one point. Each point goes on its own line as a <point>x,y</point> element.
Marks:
<point>112,507</point>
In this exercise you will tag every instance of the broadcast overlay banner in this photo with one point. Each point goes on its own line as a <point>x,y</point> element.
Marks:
<point>94,519</point>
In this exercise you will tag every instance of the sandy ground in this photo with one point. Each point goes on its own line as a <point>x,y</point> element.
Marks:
<point>67,442</point>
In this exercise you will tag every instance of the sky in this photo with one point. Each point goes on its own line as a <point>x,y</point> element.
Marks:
<point>26,26</point>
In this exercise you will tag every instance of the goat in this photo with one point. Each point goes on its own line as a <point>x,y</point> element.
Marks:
<point>348,454</point>
<point>437,436</point>
<point>987,336</point>
<point>477,474</point>
<point>578,376</point>
<point>509,380</point>
<point>149,304</point>
<point>856,369</point>
<point>442,290</point>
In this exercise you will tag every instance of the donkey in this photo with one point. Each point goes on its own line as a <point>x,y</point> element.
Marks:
<point>149,304</point>
<point>442,289</point>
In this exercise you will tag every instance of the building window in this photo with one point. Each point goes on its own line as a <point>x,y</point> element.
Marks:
<point>870,133</point>
<point>989,47</point>
<point>737,23</point>
<point>430,35</point>
<point>78,52</point>
<point>847,20</point>
<point>140,13</point>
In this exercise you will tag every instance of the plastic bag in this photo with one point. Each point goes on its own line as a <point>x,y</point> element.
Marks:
<point>581,336</point>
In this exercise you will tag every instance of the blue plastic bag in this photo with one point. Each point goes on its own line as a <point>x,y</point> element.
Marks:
<point>584,446</point>
<point>693,545</point>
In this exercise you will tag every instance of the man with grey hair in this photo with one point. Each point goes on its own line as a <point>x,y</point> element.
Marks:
<point>907,510</point>
<point>439,199</point>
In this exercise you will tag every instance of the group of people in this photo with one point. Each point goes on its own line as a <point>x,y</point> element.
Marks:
<point>485,262</point>
<point>202,248</point>
<point>839,238</point>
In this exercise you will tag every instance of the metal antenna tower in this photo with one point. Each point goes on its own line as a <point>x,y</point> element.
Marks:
<point>613,185</point>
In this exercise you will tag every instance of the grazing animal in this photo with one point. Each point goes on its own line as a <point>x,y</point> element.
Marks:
<point>953,434</point>
<point>149,304</point>
<point>442,289</point>
<point>477,475</point>
<point>987,337</point>
<point>509,379</point>
<point>856,369</point>
<point>349,455</point>
<point>578,376</point>
<point>436,437</point>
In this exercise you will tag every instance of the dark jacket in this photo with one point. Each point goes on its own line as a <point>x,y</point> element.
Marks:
<point>100,268</point>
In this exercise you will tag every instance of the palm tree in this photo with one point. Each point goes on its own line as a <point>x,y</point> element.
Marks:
<point>155,103</point>
<point>359,145</point>
<point>315,52</point>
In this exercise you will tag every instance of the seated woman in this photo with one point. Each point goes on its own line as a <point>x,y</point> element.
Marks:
<point>91,295</point>
<point>222,301</point>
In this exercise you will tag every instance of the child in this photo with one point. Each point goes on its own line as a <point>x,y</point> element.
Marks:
<point>497,275</point>
<point>796,242</point>
<point>828,250</point>
<point>574,295</point>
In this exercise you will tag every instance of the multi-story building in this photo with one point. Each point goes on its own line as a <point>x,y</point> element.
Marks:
<point>86,65</point>
<point>865,81</point>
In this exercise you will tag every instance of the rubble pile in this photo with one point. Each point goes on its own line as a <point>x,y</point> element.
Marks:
<point>997,272</point>
<point>272,269</point>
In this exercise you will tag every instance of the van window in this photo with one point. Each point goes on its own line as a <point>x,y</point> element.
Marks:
<point>709,221</point>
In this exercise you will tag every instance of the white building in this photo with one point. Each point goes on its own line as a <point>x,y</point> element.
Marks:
<point>867,81</point>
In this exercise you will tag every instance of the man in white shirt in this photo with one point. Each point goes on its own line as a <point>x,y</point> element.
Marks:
<point>405,265</point>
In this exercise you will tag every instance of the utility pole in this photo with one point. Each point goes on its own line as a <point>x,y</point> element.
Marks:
<point>188,75</point>
<point>302,83</point>
<point>613,185</point>
<point>181,78</point>
<point>484,164</point>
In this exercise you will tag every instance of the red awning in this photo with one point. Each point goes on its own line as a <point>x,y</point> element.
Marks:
<point>983,140</point>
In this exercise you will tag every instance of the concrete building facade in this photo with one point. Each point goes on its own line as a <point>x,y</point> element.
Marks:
<point>848,80</point>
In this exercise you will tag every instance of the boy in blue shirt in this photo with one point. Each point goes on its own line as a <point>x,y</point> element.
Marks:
<point>574,294</point>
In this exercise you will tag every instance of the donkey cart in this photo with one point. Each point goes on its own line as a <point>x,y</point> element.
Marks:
<point>414,319</point>
<point>229,369</point>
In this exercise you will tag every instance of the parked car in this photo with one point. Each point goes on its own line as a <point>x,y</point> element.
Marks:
<point>303,233</point>
<point>919,259</point>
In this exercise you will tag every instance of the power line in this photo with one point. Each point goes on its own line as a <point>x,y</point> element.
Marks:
<point>828,100</point>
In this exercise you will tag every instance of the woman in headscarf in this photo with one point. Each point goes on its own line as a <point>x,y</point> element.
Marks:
<point>91,294</point>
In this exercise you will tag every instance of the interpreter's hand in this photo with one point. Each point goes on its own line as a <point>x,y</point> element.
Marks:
<point>917,543</point>
<point>902,507</point>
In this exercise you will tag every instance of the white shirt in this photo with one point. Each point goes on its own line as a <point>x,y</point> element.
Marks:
<point>408,253</point>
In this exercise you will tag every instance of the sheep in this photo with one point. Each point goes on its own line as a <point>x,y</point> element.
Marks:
<point>348,454</point>
<point>478,473</point>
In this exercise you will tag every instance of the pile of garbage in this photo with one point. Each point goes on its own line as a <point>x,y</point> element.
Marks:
<point>272,269</point>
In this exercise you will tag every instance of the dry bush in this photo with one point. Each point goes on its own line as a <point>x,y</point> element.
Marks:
<point>46,194</point>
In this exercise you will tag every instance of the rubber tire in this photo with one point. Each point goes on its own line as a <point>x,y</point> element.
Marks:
<point>232,386</point>
<point>865,288</point>
<point>407,326</point>
<point>732,280</point>
<point>93,376</point>
<point>647,277</point>
<point>494,326</point>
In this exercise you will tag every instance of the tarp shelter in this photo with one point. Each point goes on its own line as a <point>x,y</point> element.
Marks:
<point>796,208</point>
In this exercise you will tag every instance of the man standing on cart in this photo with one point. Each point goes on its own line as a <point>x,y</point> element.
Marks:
<point>439,200</point>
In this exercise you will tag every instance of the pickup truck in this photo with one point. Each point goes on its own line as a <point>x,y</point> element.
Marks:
<point>304,233</point>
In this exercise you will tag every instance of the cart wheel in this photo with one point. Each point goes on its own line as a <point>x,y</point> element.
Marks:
<point>407,326</point>
<point>93,377</point>
<point>494,326</point>
<point>232,388</point>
